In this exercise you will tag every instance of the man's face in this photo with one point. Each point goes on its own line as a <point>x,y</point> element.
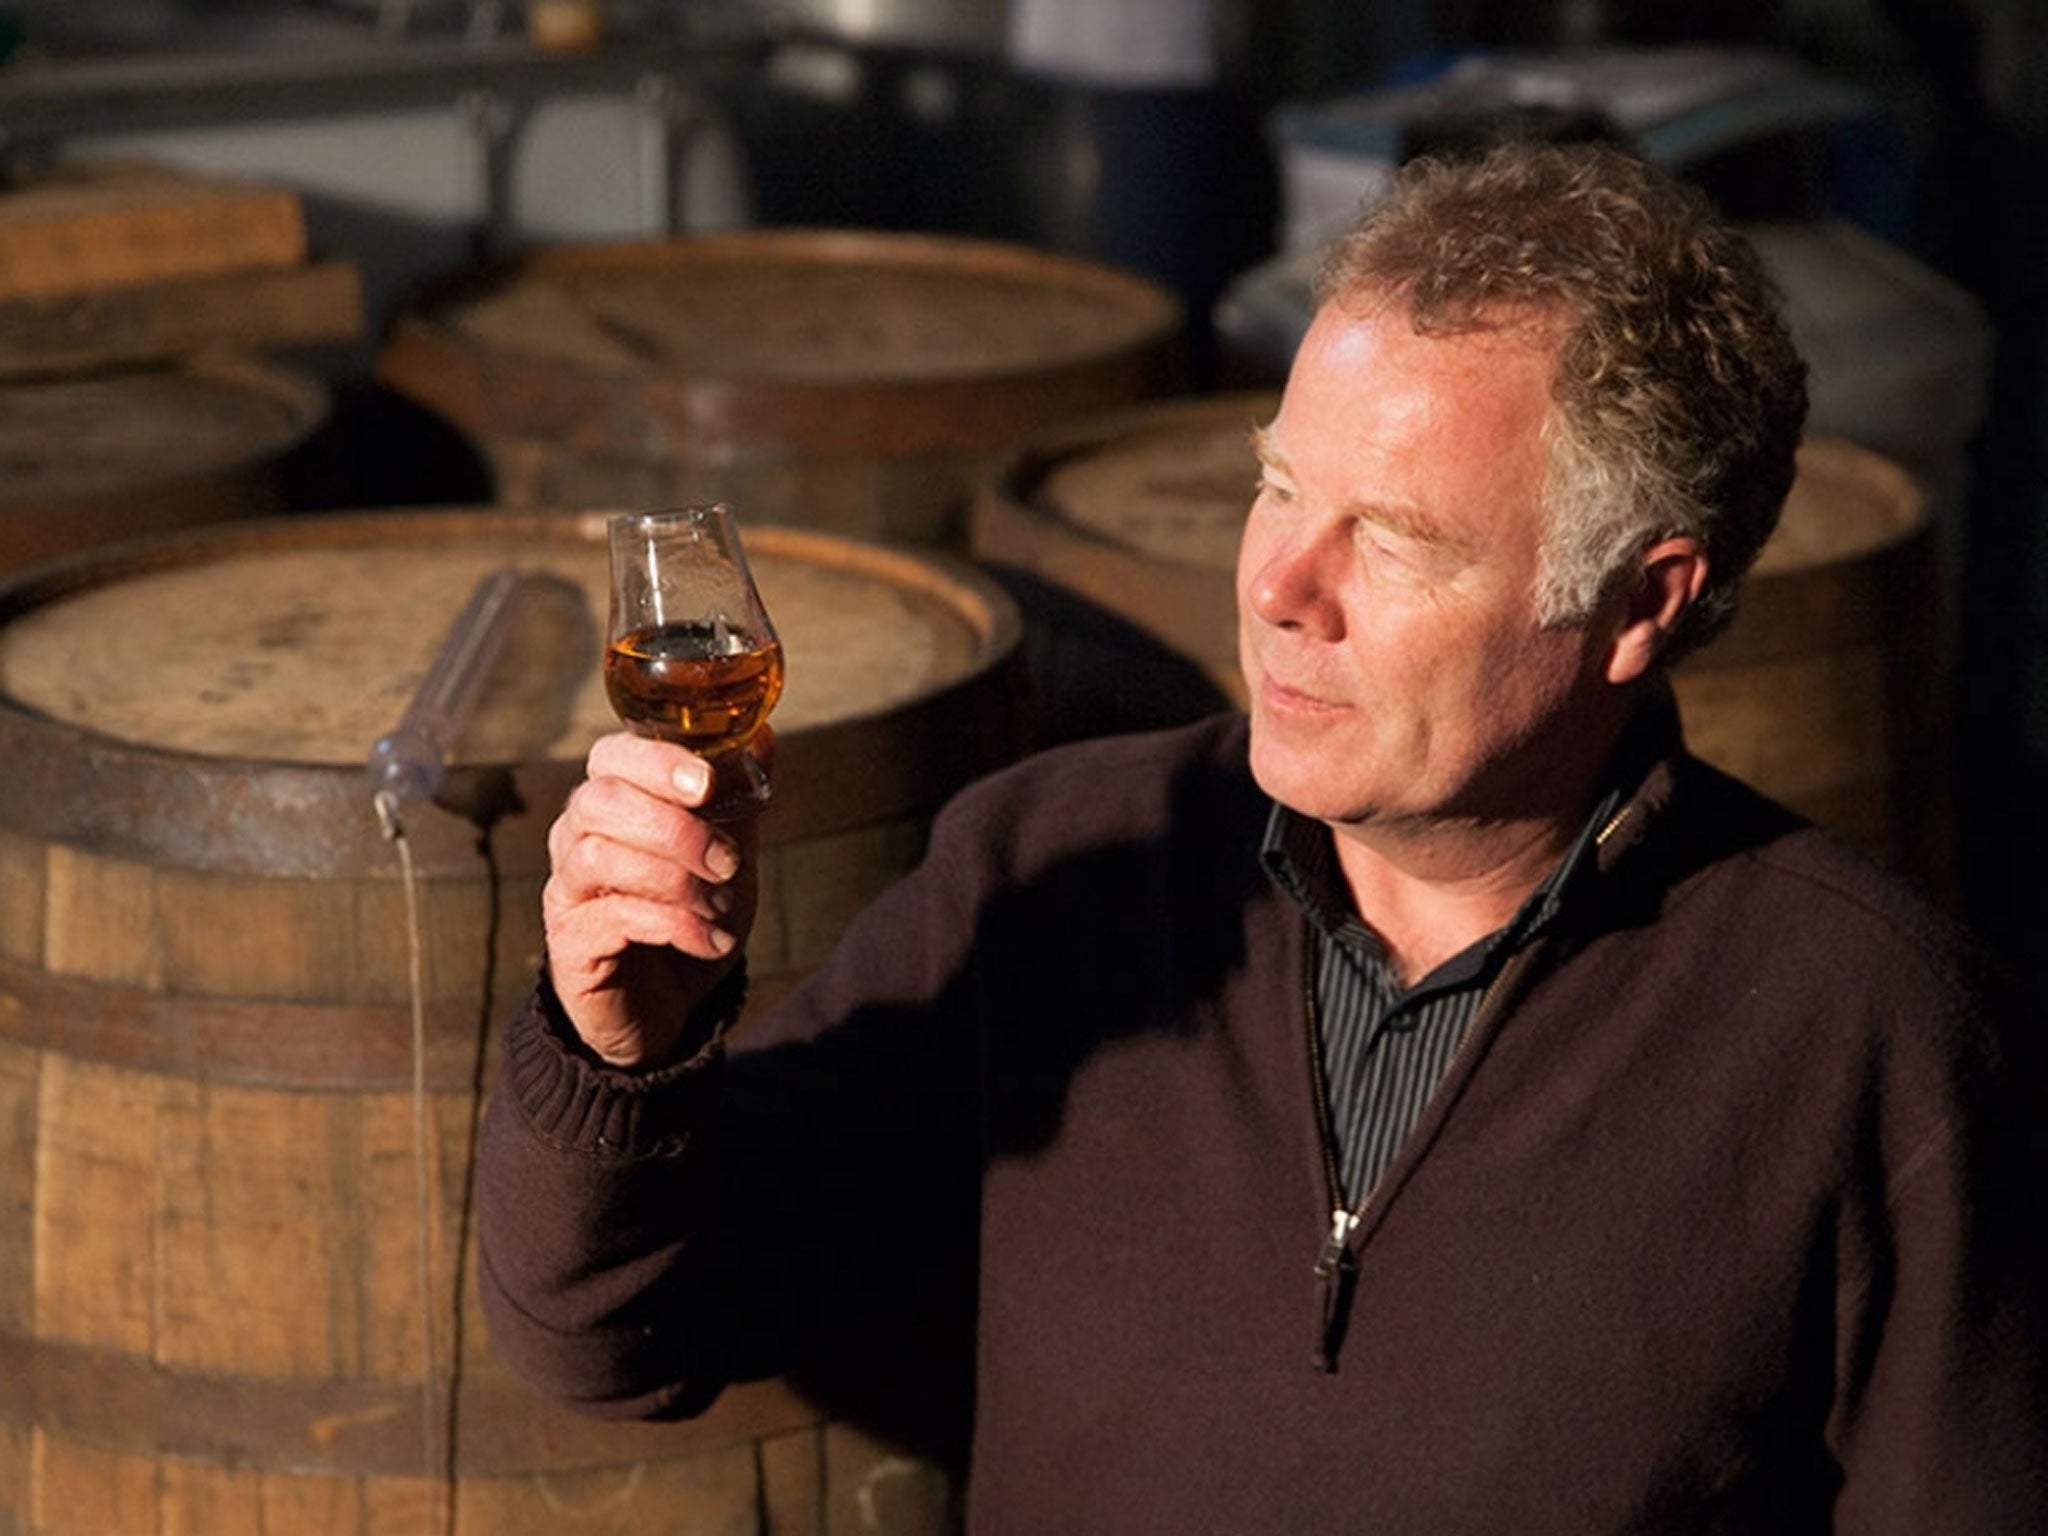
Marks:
<point>1386,582</point>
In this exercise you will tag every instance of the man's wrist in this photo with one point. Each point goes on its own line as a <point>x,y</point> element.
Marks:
<point>575,1099</point>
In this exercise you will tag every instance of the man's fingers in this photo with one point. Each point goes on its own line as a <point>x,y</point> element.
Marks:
<point>641,888</point>
<point>587,936</point>
<point>612,826</point>
<point>660,768</point>
<point>591,866</point>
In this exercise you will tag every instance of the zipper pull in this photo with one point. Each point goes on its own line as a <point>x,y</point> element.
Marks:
<point>1333,1254</point>
<point>1334,1269</point>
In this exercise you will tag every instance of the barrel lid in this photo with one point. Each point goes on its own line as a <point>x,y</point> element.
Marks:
<point>717,347</point>
<point>818,306</point>
<point>255,665</point>
<point>62,440</point>
<point>1174,482</point>
<point>309,653</point>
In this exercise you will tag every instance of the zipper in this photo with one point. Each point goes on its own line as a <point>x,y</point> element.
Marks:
<point>1613,824</point>
<point>1336,1266</point>
<point>1324,1139</point>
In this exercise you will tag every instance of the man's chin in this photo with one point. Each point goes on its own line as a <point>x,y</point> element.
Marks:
<point>1284,775</point>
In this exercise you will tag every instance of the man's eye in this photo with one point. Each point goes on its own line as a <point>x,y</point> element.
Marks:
<point>1376,540</point>
<point>1274,490</point>
<point>1388,550</point>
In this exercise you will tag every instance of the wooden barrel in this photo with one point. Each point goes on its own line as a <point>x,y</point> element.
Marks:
<point>847,381</point>
<point>210,1239</point>
<point>100,458</point>
<point>1118,536</point>
<point>1825,693</point>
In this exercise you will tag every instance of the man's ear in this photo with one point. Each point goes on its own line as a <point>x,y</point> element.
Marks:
<point>1673,573</point>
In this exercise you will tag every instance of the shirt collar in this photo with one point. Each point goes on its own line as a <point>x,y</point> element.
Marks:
<point>1300,855</point>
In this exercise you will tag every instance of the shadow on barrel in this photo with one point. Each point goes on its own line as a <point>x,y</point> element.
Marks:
<point>1093,672</point>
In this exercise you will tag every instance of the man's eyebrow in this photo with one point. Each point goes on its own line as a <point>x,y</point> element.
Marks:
<point>1404,521</point>
<point>1408,522</point>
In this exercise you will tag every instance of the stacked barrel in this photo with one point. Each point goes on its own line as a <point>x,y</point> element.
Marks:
<point>138,307</point>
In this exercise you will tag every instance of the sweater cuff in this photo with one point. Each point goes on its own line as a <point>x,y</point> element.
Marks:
<point>576,1101</point>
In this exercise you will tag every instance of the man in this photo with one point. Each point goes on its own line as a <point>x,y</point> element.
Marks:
<point>1437,1104</point>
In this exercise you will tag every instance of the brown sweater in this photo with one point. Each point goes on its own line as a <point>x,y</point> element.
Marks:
<point>1720,1222</point>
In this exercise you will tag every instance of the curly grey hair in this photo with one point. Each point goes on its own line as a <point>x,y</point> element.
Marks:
<point>1679,398</point>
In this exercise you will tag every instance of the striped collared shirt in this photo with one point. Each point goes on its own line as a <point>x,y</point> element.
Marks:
<point>1384,1048</point>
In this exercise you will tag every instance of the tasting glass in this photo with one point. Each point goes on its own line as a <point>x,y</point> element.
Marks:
<point>690,654</point>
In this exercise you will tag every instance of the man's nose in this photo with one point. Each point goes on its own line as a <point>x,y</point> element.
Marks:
<point>1294,584</point>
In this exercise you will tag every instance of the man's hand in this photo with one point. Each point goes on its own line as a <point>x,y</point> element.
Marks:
<point>647,904</point>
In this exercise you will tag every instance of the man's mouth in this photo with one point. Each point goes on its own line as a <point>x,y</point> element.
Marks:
<point>1288,698</point>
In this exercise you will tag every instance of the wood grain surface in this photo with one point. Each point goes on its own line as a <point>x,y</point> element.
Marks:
<point>91,226</point>
<point>162,322</point>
